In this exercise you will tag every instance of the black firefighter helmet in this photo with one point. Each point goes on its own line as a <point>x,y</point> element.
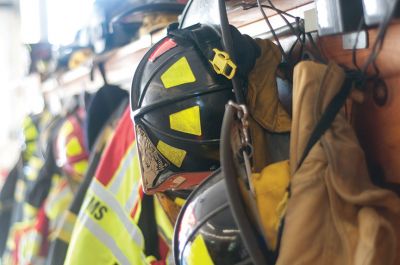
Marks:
<point>206,232</point>
<point>178,102</point>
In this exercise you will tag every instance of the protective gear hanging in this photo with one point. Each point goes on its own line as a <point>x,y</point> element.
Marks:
<point>178,96</point>
<point>332,196</point>
<point>205,232</point>
<point>70,150</point>
<point>109,225</point>
<point>177,108</point>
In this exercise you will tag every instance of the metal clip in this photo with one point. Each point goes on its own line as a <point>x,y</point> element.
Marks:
<point>246,150</point>
<point>243,115</point>
<point>223,64</point>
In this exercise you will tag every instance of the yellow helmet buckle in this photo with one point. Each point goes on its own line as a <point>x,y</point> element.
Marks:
<point>223,64</point>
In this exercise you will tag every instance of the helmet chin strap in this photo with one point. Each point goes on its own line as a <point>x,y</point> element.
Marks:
<point>252,239</point>
<point>250,236</point>
<point>227,43</point>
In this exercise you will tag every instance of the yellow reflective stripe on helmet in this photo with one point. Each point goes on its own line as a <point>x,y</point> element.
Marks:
<point>73,147</point>
<point>198,253</point>
<point>186,121</point>
<point>173,154</point>
<point>178,74</point>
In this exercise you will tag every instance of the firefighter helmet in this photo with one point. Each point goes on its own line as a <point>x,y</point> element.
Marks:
<point>205,231</point>
<point>178,102</point>
<point>69,149</point>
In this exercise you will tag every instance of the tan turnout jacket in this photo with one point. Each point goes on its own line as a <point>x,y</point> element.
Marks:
<point>335,215</point>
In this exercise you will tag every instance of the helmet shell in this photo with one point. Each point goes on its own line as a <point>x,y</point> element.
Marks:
<point>179,101</point>
<point>205,232</point>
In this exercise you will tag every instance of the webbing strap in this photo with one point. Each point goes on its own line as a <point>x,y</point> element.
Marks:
<point>327,117</point>
<point>148,225</point>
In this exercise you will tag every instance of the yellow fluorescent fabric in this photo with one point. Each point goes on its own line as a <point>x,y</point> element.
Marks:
<point>74,147</point>
<point>59,199</point>
<point>198,253</point>
<point>173,154</point>
<point>36,162</point>
<point>67,128</point>
<point>178,74</point>
<point>33,168</point>
<point>64,232</point>
<point>94,236</point>
<point>29,211</point>
<point>81,166</point>
<point>179,201</point>
<point>30,131</point>
<point>187,121</point>
<point>20,189</point>
<point>163,221</point>
<point>88,251</point>
<point>270,188</point>
<point>130,167</point>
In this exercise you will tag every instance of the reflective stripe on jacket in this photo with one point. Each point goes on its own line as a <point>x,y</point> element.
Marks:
<point>107,229</point>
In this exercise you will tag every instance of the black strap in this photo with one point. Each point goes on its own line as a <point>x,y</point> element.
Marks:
<point>102,71</point>
<point>148,225</point>
<point>202,46</point>
<point>327,117</point>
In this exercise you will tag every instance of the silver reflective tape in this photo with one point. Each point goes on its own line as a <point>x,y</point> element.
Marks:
<point>132,198</point>
<point>114,187</point>
<point>106,239</point>
<point>102,193</point>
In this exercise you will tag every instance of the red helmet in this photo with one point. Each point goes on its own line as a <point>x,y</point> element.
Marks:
<point>70,150</point>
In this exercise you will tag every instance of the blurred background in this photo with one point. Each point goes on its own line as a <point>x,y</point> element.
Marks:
<point>41,40</point>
